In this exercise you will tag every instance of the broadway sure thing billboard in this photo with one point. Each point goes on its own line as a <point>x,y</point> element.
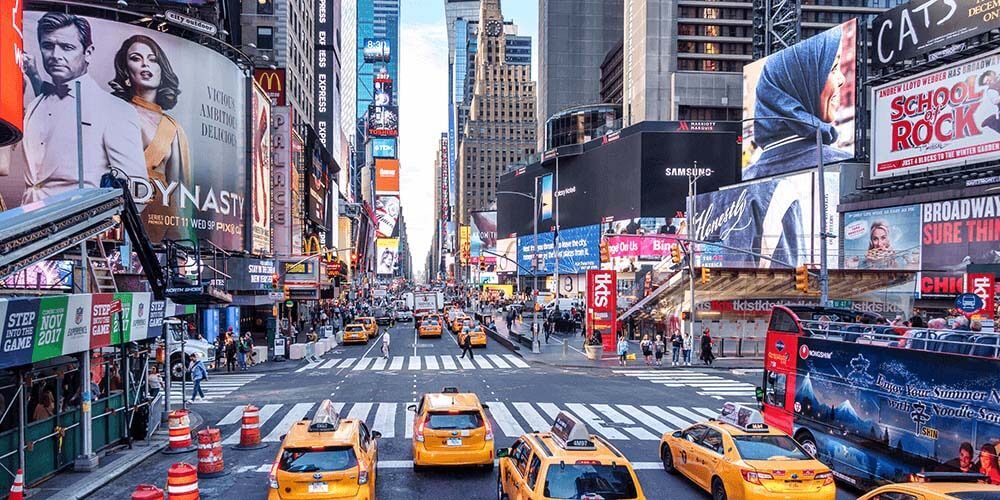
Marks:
<point>944,118</point>
<point>168,113</point>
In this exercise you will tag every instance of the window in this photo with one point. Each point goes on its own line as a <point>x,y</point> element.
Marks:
<point>694,433</point>
<point>781,321</point>
<point>774,389</point>
<point>533,471</point>
<point>329,459</point>
<point>765,447</point>
<point>520,452</point>
<point>265,7</point>
<point>265,37</point>
<point>893,495</point>
<point>712,440</point>
<point>364,436</point>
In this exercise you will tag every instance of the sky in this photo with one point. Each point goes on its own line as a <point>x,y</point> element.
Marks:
<point>423,103</point>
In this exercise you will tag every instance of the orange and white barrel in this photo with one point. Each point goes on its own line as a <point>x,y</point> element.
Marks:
<point>250,430</point>
<point>147,492</point>
<point>179,430</point>
<point>182,482</point>
<point>209,452</point>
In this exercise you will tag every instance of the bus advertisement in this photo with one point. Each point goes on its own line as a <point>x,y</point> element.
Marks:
<point>879,403</point>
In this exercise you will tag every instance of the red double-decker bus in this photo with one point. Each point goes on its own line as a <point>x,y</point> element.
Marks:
<point>877,403</point>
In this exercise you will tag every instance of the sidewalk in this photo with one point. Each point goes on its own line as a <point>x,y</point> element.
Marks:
<point>571,355</point>
<point>71,485</point>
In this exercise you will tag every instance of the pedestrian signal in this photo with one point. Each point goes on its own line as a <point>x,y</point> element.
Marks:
<point>288,293</point>
<point>706,275</point>
<point>802,279</point>
<point>605,254</point>
<point>275,281</point>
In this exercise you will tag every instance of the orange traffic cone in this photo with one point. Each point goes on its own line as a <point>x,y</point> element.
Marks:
<point>17,489</point>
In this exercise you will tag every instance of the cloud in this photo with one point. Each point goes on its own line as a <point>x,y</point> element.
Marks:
<point>423,116</point>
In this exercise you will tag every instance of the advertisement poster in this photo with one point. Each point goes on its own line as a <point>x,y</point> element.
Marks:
<point>100,319</point>
<point>602,306</point>
<point>44,275</point>
<point>983,285</point>
<point>376,50</point>
<point>281,182</point>
<point>387,254</point>
<point>507,247</point>
<point>260,162</point>
<point>778,218</point>
<point>484,237</point>
<point>167,112</point>
<point>383,121</point>
<point>792,92</point>
<point>919,27</point>
<point>18,331</point>
<point>642,240</point>
<point>464,244</point>
<point>49,328</point>
<point>317,180</point>
<point>579,250</point>
<point>883,238</point>
<point>11,97</point>
<point>962,126</point>
<point>273,83</point>
<point>382,92</point>
<point>77,337</point>
<point>383,147</point>
<point>956,233</point>
<point>387,216</point>
<point>387,176</point>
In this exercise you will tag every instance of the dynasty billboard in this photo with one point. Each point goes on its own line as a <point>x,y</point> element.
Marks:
<point>11,96</point>
<point>943,118</point>
<point>778,218</point>
<point>260,161</point>
<point>920,27</point>
<point>792,92</point>
<point>167,112</point>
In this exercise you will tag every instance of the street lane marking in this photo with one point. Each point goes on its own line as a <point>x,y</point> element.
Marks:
<point>379,364</point>
<point>618,418</point>
<point>397,363</point>
<point>330,364</point>
<point>594,422</point>
<point>678,423</point>
<point>483,363</point>
<point>707,412</point>
<point>550,409</point>
<point>236,415</point>
<point>448,363</point>
<point>362,364</point>
<point>347,363</point>
<point>414,363</point>
<point>360,411</point>
<point>385,420</point>
<point>265,414</point>
<point>535,421</point>
<point>685,413</point>
<point>504,419</point>
<point>408,464</point>
<point>431,362</point>
<point>308,366</point>
<point>514,360</point>
<point>466,363</point>
<point>644,418</point>
<point>294,415</point>
<point>497,360</point>
<point>408,421</point>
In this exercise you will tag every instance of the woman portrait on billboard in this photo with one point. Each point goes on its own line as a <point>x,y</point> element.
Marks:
<point>804,87</point>
<point>144,78</point>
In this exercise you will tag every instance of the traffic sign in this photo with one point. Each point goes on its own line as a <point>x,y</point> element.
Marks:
<point>288,303</point>
<point>969,302</point>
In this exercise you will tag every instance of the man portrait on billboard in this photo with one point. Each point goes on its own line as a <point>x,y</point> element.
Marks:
<point>807,86</point>
<point>46,157</point>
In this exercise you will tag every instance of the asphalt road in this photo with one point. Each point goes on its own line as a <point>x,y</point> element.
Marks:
<point>632,410</point>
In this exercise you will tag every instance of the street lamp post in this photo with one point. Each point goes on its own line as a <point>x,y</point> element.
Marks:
<point>691,216</point>
<point>534,262</point>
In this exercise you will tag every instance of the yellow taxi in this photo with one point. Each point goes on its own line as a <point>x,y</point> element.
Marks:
<point>937,486</point>
<point>738,456</point>
<point>477,334</point>
<point>325,458</point>
<point>566,462</point>
<point>355,332</point>
<point>429,327</point>
<point>369,323</point>
<point>459,322</point>
<point>451,428</point>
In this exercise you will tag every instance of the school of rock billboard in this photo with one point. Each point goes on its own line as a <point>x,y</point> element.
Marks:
<point>792,92</point>
<point>946,117</point>
<point>167,112</point>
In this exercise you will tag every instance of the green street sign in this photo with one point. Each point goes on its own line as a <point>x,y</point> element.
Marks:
<point>288,303</point>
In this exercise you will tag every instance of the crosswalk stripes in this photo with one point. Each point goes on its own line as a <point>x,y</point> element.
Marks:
<point>617,422</point>
<point>415,363</point>
<point>705,383</point>
<point>215,387</point>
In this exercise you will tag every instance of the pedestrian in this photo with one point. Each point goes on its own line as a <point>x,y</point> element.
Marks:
<point>706,347</point>
<point>510,319</point>
<point>467,345</point>
<point>231,349</point>
<point>242,349</point>
<point>154,381</point>
<point>198,374</point>
<point>251,357</point>
<point>687,345</point>
<point>676,343</point>
<point>220,351</point>
<point>622,350</point>
<point>659,347</point>
<point>385,344</point>
<point>646,346</point>
<point>549,326</point>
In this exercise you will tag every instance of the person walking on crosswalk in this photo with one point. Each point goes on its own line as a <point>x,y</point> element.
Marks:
<point>198,374</point>
<point>385,344</point>
<point>467,345</point>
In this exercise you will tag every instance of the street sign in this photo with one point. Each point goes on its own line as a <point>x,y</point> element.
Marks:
<point>969,302</point>
<point>288,303</point>
<point>116,307</point>
<point>191,23</point>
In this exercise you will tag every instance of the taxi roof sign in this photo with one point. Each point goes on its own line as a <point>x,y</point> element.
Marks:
<point>570,433</point>
<point>325,419</point>
<point>744,417</point>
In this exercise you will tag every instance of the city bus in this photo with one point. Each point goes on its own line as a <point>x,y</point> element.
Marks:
<point>878,403</point>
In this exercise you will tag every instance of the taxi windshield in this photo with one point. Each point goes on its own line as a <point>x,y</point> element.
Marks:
<point>769,447</point>
<point>431,322</point>
<point>355,328</point>
<point>455,421</point>
<point>328,459</point>
<point>578,481</point>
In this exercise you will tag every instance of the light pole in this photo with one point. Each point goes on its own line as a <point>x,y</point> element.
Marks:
<point>691,211</point>
<point>534,263</point>
<point>824,272</point>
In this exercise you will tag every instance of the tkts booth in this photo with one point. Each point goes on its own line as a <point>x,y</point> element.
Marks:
<point>40,379</point>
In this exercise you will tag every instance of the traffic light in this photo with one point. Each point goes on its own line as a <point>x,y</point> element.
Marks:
<point>802,279</point>
<point>706,275</point>
<point>275,281</point>
<point>288,293</point>
<point>354,260</point>
<point>675,254</point>
<point>482,265</point>
<point>605,254</point>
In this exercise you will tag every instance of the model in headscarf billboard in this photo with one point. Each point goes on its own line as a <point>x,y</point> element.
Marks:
<point>790,94</point>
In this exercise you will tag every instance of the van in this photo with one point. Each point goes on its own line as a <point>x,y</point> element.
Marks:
<point>564,304</point>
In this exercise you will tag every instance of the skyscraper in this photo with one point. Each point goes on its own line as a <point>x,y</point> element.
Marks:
<point>573,38</point>
<point>459,16</point>
<point>501,126</point>
<point>376,20</point>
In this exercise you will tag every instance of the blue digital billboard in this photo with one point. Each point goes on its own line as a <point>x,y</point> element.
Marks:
<point>384,147</point>
<point>578,250</point>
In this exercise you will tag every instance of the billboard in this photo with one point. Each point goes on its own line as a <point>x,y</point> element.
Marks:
<point>507,247</point>
<point>387,216</point>
<point>778,218</point>
<point>11,94</point>
<point>383,147</point>
<point>260,178</point>
<point>273,83</point>
<point>792,92</point>
<point>386,176</point>
<point>920,27</point>
<point>382,92</point>
<point>386,255</point>
<point>44,275</point>
<point>579,250</point>
<point>317,181</point>
<point>326,67</point>
<point>464,245</point>
<point>669,159</point>
<point>882,238</point>
<point>484,236</point>
<point>954,234</point>
<point>167,112</point>
<point>943,118</point>
<point>383,121</point>
<point>634,242</point>
<point>376,50</point>
<point>602,306</point>
<point>281,181</point>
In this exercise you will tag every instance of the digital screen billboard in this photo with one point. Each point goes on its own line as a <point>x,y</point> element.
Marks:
<point>939,119</point>
<point>387,216</point>
<point>954,234</point>
<point>44,275</point>
<point>507,247</point>
<point>382,92</point>
<point>791,93</point>
<point>386,176</point>
<point>386,255</point>
<point>882,238</point>
<point>383,147</point>
<point>317,181</point>
<point>578,250</point>
<point>920,27</point>
<point>383,121</point>
<point>11,96</point>
<point>484,236</point>
<point>260,163</point>
<point>376,50</point>
<point>273,83</point>
<point>167,112</point>
<point>669,159</point>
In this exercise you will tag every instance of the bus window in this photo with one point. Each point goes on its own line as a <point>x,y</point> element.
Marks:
<point>774,390</point>
<point>781,321</point>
